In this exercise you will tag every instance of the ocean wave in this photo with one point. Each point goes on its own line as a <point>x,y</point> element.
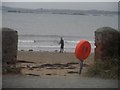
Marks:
<point>26,41</point>
<point>71,41</point>
<point>92,42</point>
<point>34,41</point>
<point>49,46</point>
<point>37,46</point>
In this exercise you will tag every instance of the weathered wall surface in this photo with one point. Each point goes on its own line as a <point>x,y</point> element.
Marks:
<point>9,46</point>
<point>107,42</point>
<point>0,52</point>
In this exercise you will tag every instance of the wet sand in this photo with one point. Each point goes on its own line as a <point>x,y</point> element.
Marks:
<point>51,63</point>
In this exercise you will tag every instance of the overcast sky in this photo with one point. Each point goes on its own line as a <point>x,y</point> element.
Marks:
<point>111,6</point>
<point>60,0</point>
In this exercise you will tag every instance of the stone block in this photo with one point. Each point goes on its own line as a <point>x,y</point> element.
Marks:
<point>107,42</point>
<point>9,46</point>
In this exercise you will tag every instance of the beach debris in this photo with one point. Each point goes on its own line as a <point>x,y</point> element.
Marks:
<point>71,67</point>
<point>51,68</point>
<point>66,65</point>
<point>73,63</point>
<point>60,65</point>
<point>32,74</point>
<point>62,68</point>
<point>72,72</point>
<point>30,67</point>
<point>48,74</point>
<point>22,61</point>
<point>30,50</point>
<point>57,65</point>
<point>46,65</point>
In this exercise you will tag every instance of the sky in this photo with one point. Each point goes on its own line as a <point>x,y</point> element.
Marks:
<point>111,6</point>
<point>60,0</point>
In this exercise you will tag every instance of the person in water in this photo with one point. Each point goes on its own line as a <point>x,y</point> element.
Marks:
<point>62,45</point>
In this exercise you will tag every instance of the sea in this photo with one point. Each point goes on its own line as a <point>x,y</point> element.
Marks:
<point>42,32</point>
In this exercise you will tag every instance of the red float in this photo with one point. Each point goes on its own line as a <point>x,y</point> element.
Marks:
<point>82,50</point>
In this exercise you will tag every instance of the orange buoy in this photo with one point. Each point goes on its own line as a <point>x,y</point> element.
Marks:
<point>82,50</point>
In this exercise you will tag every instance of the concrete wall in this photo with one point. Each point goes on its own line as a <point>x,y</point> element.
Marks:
<point>9,46</point>
<point>107,41</point>
<point>1,47</point>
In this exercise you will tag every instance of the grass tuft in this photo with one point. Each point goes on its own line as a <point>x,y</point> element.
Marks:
<point>11,69</point>
<point>107,69</point>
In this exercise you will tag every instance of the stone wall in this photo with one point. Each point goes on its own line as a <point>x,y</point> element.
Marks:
<point>9,46</point>
<point>107,42</point>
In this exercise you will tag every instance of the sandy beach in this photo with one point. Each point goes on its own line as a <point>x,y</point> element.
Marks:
<point>50,63</point>
<point>39,69</point>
